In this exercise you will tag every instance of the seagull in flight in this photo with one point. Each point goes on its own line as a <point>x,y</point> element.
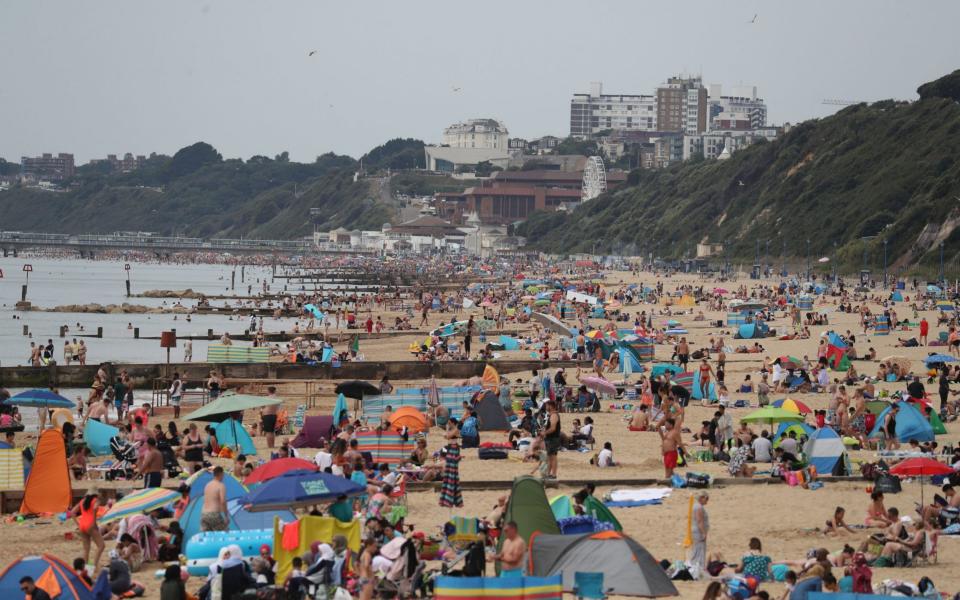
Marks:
<point>753,20</point>
<point>455,88</point>
<point>311,53</point>
<point>740,182</point>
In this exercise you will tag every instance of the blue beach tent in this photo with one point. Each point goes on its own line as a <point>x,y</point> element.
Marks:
<point>911,424</point>
<point>231,433</point>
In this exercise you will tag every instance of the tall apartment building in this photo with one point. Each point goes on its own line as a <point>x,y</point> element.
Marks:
<point>488,134</point>
<point>682,105</point>
<point>741,109</point>
<point>47,166</point>
<point>596,111</point>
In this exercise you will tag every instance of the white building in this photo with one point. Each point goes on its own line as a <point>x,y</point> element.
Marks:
<point>488,134</point>
<point>741,109</point>
<point>712,144</point>
<point>596,111</point>
<point>443,158</point>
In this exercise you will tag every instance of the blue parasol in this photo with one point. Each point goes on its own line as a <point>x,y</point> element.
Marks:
<point>939,358</point>
<point>40,399</point>
<point>300,488</point>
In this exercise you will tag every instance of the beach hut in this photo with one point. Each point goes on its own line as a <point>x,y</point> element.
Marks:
<point>825,451</point>
<point>490,413</point>
<point>47,489</point>
<point>911,424</point>
<point>51,574</point>
<point>628,568</point>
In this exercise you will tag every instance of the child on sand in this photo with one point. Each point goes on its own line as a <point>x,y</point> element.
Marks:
<point>837,524</point>
<point>538,450</point>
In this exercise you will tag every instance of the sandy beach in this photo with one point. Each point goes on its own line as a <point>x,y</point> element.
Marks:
<point>785,518</point>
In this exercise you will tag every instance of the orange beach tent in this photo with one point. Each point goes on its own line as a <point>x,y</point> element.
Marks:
<point>48,486</point>
<point>409,417</point>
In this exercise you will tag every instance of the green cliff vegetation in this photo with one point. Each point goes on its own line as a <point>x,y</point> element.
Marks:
<point>888,172</point>
<point>198,193</point>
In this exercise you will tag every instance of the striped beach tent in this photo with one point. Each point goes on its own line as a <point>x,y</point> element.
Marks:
<point>385,447</point>
<point>505,588</point>
<point>735,319</point>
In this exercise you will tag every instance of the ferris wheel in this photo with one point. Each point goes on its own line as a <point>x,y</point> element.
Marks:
<point>594,178</point>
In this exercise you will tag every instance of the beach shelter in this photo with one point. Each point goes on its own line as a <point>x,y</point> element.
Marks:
<point>490,379</point>
<point>686,301</point>
<point>881,326</point>
<point>911,424</point>
<point>628,568</point>
<point>340,410</point>
<point>11,469</point>
<point>528,506</point>
<point>561,506</point>
<point>837,353</point>
<point>936,423</point>
<point>641,347</point>
<point>749,331</point>
<point>498,588</point>
<point>784,429</point>
<point>97,436</point>
<point>737,318</point>
<point>384,447</point>
<point>697,394</point>
<point>490,413</point>
<point>200,479</point>
<point>231,433</point>
<point>315,431</point>
<point>409,417</point>
<point>896,296</point>
<point>661,368</point>
<point>239,518</point>
<point>509,343</point>
<point>51,574</point>
<point>289,542</point>
<point>599,511</point>
<point>47,489</point>
<point>825,451</point>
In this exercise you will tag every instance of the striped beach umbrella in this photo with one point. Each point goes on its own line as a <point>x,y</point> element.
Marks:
<point>139,502</point>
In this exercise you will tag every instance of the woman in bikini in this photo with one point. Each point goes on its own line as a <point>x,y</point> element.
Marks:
<point>876,512</point>
<point>86,514</point>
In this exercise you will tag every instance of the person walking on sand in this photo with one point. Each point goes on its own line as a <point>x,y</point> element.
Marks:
<point>699,528</point>
<point>188,351</point>
<point>669,445</point>
<point>268,417</point>
<point>924,331</point>
<point>705,372</point>
<point>551,437</point>
<point>86,514</point>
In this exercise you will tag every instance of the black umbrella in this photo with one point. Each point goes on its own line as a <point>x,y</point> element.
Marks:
<point>357,389</point>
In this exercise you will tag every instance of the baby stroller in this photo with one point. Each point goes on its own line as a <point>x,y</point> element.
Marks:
<point>405,579</point>
<point>126,455</point>
<point>170,462</point>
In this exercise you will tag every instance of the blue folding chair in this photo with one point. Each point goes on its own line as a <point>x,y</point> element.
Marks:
<point>588,585</point>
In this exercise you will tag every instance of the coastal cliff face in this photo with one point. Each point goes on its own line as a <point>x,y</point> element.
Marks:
<point>888,172</point>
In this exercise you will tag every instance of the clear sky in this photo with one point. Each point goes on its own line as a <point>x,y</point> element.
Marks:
<point>94,77</point>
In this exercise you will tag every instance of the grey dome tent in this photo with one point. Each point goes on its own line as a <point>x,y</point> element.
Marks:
<point>628,569</point>
<point>489,412</point>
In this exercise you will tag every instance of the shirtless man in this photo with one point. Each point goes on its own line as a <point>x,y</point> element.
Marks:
<point>151,465</point>
<point>683,353</point>
<point>670,443</point>
<point>512,552</point>
<point>268,417</point>
<point>214,517</point>
<point>641,419</point>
